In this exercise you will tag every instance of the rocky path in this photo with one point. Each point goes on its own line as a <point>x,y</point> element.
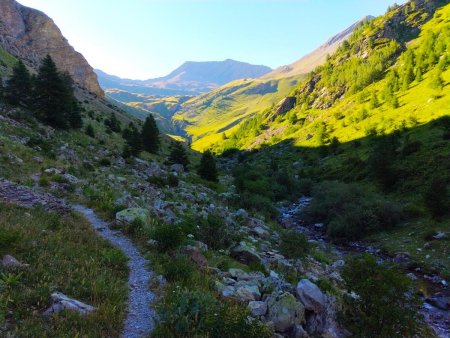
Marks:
<point>139,321</point>
<point>434,309</point>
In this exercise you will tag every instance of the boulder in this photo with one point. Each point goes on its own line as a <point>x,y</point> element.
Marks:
<point>245,254</point>
<point>286,105</point>
<point>177,168</point>
<point>196,256</point>
<point>225,291</point>
<point>247,293</point>
<point>131,215</point>
<point>260,232</point>
<point>310,295</point>
<point>10,262</point>
<point>285,312</point>
<point>257,308</point>
<point>61,302</point>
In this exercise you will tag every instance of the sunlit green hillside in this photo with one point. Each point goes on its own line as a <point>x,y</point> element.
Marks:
<point>379,82</point>
<point>224,109</point>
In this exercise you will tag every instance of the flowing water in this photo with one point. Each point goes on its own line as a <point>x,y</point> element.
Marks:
<point>434,308</point>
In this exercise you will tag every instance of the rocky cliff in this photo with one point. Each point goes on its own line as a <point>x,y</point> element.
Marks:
<point>30,35</point>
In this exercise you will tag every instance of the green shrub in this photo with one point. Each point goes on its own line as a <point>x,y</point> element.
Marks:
<point>437,197</point>
<point>168,237</point>
<point>105,162</point>
<point>384,306</point>
<point>8,239</point>
<point>186,313</point>
<point>350,212</point>
<point>178,269</point>
<point>294,244</point>
<point>214,232</point>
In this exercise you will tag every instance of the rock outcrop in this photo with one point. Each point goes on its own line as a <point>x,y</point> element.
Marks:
<point>30,35</point>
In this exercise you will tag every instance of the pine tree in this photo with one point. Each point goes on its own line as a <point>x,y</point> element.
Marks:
<point>150,135</point>
<point>419,75</point>
<point>178,155</point>
<point>207,169</point>
<point>374,103</point>
<point>134,141</point>
<point>18,87</point>
<point>54,100</point>
<point>436,81</point>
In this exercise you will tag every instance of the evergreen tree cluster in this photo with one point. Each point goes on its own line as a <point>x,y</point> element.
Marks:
<point>49,94</point>
<point>178,155</point>
<point>138,140</point>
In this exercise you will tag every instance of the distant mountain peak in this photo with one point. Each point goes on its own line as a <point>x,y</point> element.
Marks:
<point>192,77</point>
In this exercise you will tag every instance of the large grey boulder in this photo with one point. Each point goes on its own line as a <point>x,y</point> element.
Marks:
<point>310,295</point>
<point>61,302</point>
<point>285,312</point>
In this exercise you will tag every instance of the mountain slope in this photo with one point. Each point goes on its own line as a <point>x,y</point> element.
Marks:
<point>188,79</point>
<point>210,117</point>
<point>30,35</point>
<point>317,57</point>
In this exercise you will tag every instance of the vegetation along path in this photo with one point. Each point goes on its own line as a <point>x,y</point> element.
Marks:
<point>434,311</point>
<point>139,321</point>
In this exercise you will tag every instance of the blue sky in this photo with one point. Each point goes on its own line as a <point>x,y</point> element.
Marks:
<point>143,39</point>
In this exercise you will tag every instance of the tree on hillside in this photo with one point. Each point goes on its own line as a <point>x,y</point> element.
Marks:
<point>150,135</point>
<point>113,123</point>
<point>178,155</point>
<point>54,100</point>
<point>134,141</point>
<point>207,169</point>
<point>19,87</point>
<point>436,81</point>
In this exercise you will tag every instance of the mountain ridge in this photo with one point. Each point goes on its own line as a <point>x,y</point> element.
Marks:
<point>30,35</point>
<point>192,77</point>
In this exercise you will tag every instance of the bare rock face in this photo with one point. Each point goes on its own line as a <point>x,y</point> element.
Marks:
<point>30,35</point>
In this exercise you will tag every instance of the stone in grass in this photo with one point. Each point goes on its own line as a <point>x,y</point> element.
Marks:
<point>131,215</point>
<point>61,302</point>
<point>245,254</point>
<point>10,262</point>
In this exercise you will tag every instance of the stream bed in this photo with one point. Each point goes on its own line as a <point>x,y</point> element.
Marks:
<point>434,308</point>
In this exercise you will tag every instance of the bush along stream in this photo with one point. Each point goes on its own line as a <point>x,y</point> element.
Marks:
<point>430,295</point>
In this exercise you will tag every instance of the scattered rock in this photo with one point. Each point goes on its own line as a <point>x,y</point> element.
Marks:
<point>177,168</point>
<point>245,254</point>
<point>196,256</point>
<point>440,235</point>
<point>402,258</point>
<point>241,213</point>
<point>257,308</point>
<point>10,262</point>
<point>131,215</point>
<point>310,295</point>
<point>61,302</point>
<point>285,312</point>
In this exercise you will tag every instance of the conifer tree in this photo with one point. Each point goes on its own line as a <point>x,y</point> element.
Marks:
<point>436,81</point>
<point>207,169</point>
<point>18,87</point>
<point>374,103</point>
<point>178,155</point>
<point>54,100</point>
<point>150,135</point>
<point>134,141</point>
